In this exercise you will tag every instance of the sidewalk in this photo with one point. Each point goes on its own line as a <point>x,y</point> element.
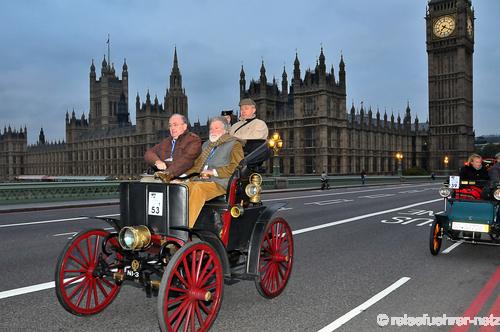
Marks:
<point>115,201</point>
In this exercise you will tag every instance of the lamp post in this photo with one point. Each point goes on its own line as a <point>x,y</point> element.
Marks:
<point>446,161</point>
<point>276,143</point>
<point>399,157</point>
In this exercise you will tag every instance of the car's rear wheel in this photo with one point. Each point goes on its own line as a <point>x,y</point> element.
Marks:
<point>435,238</point>
<point>190,293</point>
<point>275,258</point>
<point>83,280</point>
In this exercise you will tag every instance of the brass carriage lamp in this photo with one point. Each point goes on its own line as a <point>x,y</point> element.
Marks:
<point>446,161</point>
<point>254,188</point>
<point>276,143</point>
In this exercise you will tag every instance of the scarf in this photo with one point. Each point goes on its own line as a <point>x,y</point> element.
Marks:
<point>211,145</point>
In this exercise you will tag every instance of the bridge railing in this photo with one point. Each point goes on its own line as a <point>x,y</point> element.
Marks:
<point>13,193</point>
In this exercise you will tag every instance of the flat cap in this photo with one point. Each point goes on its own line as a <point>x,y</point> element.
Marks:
<point>228,112</point>
<point>247,101</point>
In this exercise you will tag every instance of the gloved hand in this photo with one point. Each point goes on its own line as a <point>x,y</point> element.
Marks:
<point>165,177</point>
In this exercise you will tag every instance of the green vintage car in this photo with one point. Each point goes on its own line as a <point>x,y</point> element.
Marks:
<point>471,214</point>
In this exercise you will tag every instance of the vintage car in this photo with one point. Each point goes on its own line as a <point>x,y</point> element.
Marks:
<point>151,247</point>
<point>471,214</point>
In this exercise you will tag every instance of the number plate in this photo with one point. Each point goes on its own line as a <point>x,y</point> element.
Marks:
<point>464,226</point>
<point>454,182</point>
<point>155,204</point>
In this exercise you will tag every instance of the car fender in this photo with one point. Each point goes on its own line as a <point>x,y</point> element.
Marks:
<point>257,233</point>
<point>218,246</point>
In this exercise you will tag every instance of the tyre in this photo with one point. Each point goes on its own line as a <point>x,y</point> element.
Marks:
<point>191,288</point>
<point>275,258</point>
<point>435,238</point>
<point>83,278</point>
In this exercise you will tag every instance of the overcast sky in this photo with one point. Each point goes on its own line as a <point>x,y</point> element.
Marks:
<point>47,48</point>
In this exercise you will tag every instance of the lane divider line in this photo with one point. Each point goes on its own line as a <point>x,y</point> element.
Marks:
<point>56,220</point>
<point>336,193</point>
<point>26,290</point>
<point>334,223</point>
<point>362,307</point>
<point>298,231</point>
<point>453,246</point>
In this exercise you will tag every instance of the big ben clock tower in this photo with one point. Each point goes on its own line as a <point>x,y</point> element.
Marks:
<point>450,45</point>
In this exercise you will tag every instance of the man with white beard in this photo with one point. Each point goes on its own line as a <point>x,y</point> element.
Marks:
<point>219,158</point>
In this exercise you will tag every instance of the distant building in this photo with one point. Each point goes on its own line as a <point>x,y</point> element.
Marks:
<point>12,152</point>
<point>320,135</point>
<point>450,48</point>
<point>105,143</point>
<point>310,113</point>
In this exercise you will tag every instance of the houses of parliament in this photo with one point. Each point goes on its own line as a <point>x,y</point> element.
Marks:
<point>319,130</point>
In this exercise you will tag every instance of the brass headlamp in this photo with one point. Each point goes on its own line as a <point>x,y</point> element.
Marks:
<point>237,211</point>
<point>253,189</point>
<point>134,237</point>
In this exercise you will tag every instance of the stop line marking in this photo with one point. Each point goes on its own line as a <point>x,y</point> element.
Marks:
<point>365,305</point>
<point>47,285</point>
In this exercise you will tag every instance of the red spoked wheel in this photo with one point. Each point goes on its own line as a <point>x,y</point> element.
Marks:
<point>191,288</point>
<point>276,258</point>
<point>84,284</point>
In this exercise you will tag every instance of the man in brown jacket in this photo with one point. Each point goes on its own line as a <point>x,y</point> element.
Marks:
<point>177,153</point>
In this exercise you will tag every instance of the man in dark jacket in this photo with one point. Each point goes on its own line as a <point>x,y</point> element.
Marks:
<point>474,169</point>
<point>177,153</point>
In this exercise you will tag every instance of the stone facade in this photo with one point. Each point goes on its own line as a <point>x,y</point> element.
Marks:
<point>12,152</point>
<point>320,135</point>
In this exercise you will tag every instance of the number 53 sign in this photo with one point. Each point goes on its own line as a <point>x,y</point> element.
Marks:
<point>155,204</point>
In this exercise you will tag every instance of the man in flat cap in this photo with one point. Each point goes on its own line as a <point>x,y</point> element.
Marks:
<point>249,127</point>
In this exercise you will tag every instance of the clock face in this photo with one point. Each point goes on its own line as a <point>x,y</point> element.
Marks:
<point>444,26</point>
<point>470,30</point>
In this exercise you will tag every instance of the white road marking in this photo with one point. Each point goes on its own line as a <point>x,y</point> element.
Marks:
<point>426,222</point>
<point>377,196</point>
<point>55,220</point>
<point>334,223</point>
<point>26,290</point>
<point>73,233</point>
<point>362,307</point>
<point>61,234</point>
<point>339,193</point>
<point>298,231</point>
<point>453,246</point>
<point>333,201</point>
<point>284,209</point>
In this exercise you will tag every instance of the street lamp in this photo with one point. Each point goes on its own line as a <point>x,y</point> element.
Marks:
<point>399,157</point>
<point>276,143</point>
<point>446,161</point>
